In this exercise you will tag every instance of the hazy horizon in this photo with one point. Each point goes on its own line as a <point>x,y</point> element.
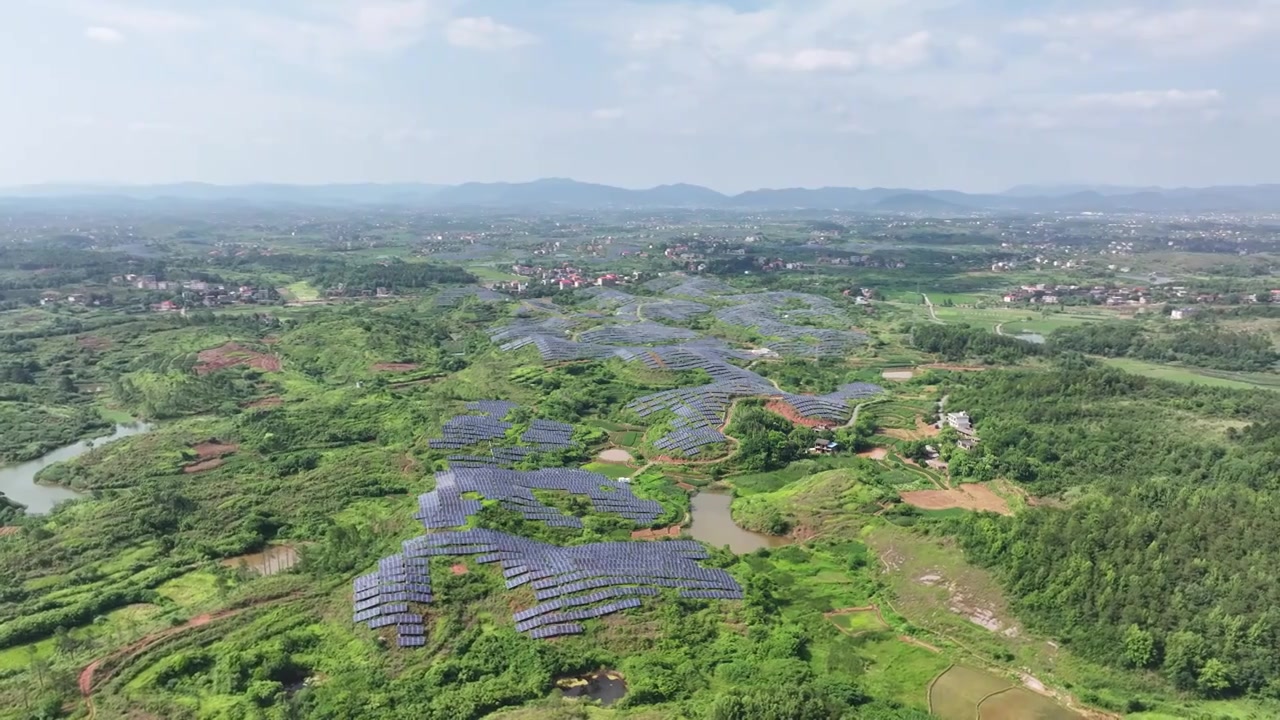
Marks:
<point>734,95</point>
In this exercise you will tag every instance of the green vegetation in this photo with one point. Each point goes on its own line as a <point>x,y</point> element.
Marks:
<point>1132,575</point>
<point>1197,344</point>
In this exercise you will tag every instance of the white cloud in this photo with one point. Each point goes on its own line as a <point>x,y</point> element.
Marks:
<point>104,35</point>
<point>607,114</point>
<point>903,54</point>
<point>485,33</point>
<point>1149,100</point>
<point>1169,31</point>
<point>806,61</point>
<point>392,25</point>
<point>138,18</point>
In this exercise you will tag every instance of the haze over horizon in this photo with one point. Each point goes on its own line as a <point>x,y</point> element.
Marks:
<point>733,95</point>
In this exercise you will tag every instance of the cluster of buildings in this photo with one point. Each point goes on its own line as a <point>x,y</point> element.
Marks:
<point>1047,294</point>
<point>566,277</point>
<point>962,424</point>
<point>198,293</point>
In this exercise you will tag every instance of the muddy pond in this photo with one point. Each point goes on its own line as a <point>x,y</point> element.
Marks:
<point>17,482</point>
<point>605,686</point>
<point>713,524</point>
<point>272,560</point>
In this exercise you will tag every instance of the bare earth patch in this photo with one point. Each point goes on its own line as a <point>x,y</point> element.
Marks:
<point>203,466</point>
<point>923,430</point>
<point>616,455</point>
<point>968,603</point>
<point>459,569</point>
<point>8,530</point>
<point>395,367</point>
<point>969,496</point>
<point>215,449</point>
<point>875,454</point>
<point>899,375</point>
<point>672,532</point>
<point>779,407</point>
<point>234,355</point>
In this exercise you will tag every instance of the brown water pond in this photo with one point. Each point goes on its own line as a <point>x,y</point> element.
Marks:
<point>713,524</point>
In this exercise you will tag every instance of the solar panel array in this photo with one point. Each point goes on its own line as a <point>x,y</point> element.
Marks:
<point>382,598</point>
<point>635,334</point>
<point>700,410</point>
<point>554,326</point>
<point>674,310</point>
<point>445,507</point>
<point>452,297</point>
<point>467,430</point>
<point>548,435</point>
<point>607,296</point>
<point>771,314</point>
<point>571,584</point>
<point>699,287</point>
<point>497,409</point>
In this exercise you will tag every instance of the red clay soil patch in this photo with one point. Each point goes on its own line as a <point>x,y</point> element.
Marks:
<point>966,497</point>
<point>686,486</point>
<point>672,532</point>
<point>395,367</point>
<point>267,402</point>
<point>923,430</point>
<point>787,411</point>
<point>93,343</point>
<point>459,569</point>
<point>203,466</point>
<point>875,454</point>
<point>215,449</point>
<point>8,530</point>
<point>234,355</point>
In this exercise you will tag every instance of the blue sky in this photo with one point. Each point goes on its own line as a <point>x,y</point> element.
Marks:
<point>967,94</point>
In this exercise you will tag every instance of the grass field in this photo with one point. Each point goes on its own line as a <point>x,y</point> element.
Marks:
<point>303,291</point>
<point>1196,376</point>
<point>612,471</point>
<point>487,273</point>
<point>861,621</point>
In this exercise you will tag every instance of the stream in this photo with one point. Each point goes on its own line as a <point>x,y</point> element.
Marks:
<point>17,482</point>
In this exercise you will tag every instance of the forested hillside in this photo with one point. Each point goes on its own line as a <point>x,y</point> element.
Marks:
<point>1164,558</point>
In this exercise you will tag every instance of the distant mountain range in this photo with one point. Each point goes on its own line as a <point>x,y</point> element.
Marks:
<point>564,194</point>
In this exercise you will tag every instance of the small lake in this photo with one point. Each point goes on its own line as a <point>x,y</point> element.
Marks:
<point>713,524</point>
<point>17,482</point>
<point>606,686</point>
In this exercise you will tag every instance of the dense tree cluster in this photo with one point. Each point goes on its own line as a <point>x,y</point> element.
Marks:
<point>767,441</point>
<point>962,342</point>
<point>1199,344</point>
<point>1166,559</point>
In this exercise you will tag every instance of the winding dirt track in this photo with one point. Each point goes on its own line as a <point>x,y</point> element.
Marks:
<point>89,678</point>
